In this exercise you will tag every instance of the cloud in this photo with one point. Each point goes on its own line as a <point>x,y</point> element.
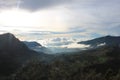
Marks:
<point>75,45</point>
<point>7,4</point>
<point>34,5</point>
<point>62,42</point>
<point>31,5</point>
<point>59,41</point>
<point>94,16</point>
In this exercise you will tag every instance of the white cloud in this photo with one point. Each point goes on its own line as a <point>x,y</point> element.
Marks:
<point>75,45</point>
<point>102,44</point>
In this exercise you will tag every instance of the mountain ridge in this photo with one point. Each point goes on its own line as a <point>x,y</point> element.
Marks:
<point>107,40</point>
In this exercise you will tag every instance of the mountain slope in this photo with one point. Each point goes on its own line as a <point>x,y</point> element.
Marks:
<point>107,40</point>
<point>37,47</point>
<point>10,42</point>
<point>13,54</point>
<point>32,44</point>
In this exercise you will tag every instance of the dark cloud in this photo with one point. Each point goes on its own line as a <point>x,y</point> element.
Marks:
<point>40,4</point>
<point>76,29</point>
<point>31,5</point>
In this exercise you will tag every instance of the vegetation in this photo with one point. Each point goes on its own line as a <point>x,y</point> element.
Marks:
<point>97,64</point>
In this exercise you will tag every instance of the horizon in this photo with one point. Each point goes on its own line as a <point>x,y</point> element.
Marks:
<point>58,44</point>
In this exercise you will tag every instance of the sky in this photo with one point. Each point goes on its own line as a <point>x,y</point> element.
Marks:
<point>55,21</point>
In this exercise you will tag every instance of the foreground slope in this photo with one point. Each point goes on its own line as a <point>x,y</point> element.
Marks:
<point>97,64</point>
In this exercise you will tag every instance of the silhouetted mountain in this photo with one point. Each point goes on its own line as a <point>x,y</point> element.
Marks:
<point>107,40</point>
<point>9,42</point>
<point>13,53</point>
<point>32,44</point>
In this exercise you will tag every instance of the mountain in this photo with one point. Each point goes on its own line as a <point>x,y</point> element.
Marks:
<point>106,40</point>
<point>37,47</point>
<point>9,42</point>
<point>13,54</point>
<point>32,44</point>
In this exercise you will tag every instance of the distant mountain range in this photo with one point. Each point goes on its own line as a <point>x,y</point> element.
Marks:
<point>106,40</point>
